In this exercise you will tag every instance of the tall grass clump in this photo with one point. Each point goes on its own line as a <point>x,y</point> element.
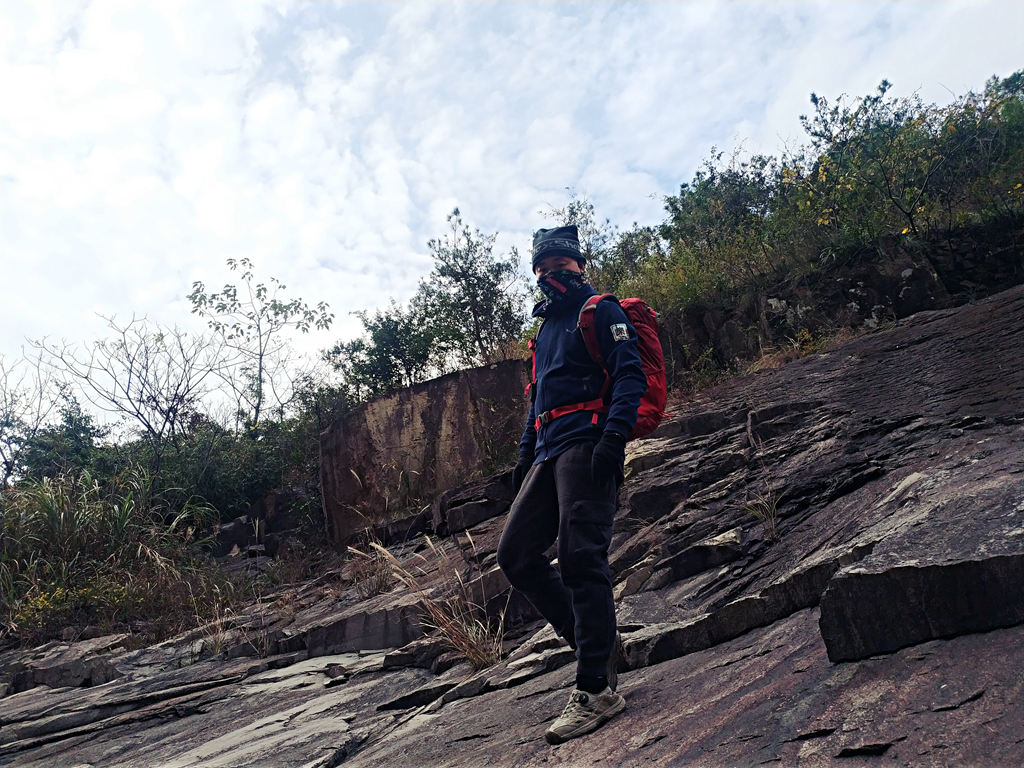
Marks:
<point>373,570</point>
<point>456,608</point>
<point>762,500</point>
<point>78,556</point>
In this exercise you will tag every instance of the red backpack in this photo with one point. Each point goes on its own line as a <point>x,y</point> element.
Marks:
<point>652,404</point>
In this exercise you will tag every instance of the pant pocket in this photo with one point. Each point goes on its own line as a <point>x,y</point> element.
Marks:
<point>592,511</point>
<point>587,535</point>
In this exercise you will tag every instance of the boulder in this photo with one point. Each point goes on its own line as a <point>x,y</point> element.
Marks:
<point>58,665</point>
<point>468,505</point>
<point>949,563</point>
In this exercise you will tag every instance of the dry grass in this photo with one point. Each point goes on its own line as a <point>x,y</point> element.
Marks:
<point>761,499</point>
<point>450,608</point>
<point>802,345</point>
<point>299,562</point>
<point>372,572</point>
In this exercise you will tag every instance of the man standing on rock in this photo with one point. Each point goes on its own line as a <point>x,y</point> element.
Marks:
<point>570,466</point>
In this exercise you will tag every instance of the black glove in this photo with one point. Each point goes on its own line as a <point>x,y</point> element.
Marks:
<point>608,457</point>
<point>519,473</point>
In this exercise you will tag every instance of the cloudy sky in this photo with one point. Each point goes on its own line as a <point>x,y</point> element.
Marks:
<point>142,143</point>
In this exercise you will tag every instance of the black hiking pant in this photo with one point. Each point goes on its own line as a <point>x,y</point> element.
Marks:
<point>559,498</point>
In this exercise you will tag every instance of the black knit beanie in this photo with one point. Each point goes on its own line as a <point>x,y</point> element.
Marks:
<point>560,240</point>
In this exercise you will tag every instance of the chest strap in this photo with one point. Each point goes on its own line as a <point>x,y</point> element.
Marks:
<point>596,406</point>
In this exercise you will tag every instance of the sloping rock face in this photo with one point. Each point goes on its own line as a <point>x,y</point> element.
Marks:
<point>413,444</point>
<point>814,566</point>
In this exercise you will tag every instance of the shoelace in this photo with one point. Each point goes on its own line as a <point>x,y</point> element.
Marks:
<point>576,708</point>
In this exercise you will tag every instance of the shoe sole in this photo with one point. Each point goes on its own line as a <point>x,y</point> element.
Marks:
<point>560,738</point>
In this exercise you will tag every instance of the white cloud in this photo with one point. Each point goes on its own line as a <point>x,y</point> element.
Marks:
<point>142,144</point>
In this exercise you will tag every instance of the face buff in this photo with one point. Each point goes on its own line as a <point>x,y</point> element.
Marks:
<point>560,284</point>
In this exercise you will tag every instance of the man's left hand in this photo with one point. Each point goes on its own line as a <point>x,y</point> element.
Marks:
<point>608,457</point>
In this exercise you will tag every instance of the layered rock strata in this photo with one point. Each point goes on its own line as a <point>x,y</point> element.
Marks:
<point>816,565</point>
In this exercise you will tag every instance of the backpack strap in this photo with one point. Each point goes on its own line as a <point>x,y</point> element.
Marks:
<point>588,313</point>
<point>593,406</point>
<point>531,388</point>
<point>588,329</point>
<point>585,322</point>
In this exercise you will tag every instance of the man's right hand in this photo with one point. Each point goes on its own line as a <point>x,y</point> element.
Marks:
<point>519,473</point>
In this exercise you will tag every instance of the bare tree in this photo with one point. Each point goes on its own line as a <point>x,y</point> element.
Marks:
<point>28,395</point>
<point>157,377</point>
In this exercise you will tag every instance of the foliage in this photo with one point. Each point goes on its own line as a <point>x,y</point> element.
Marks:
<point>250,326</point>
<point>468,311</point>
<point>230,470</point>
<point>76,553</point>
<point>164,384</point>
<point>107,533</point>
<point>637,255</point>
<point>473,299</point>
<point>400,347</point>
<point>875,167</point>
<point>887,166</point>
<point>319,401</point>
<point>596,236</point>
<point>71,444</point>
<point>702,372</point>
<point>225,470</point>
<point>613,257</point>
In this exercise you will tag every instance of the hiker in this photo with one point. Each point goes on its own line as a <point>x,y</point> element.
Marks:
<point>567,477</point>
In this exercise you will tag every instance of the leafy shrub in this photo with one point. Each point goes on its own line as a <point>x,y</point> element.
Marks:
<point>77,554</point>
<point>874,167</point>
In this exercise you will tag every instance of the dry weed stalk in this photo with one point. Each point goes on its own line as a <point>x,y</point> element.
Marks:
<point>372,573</point>
<point>763,504</point>
<point>454,613</point>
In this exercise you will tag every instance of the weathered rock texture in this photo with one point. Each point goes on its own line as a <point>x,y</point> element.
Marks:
<point>818,565</point>
<point>408,446</point>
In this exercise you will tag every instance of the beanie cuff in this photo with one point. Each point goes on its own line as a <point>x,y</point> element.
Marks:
<point>553,242</point>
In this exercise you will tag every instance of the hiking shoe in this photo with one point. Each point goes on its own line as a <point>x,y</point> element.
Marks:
<point>584,713</point>
<point>618,654</point>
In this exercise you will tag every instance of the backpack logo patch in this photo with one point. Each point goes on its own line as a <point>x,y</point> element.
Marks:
<point>620,332</point>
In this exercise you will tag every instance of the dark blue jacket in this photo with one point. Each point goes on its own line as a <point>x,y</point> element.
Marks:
<point>566,374</point>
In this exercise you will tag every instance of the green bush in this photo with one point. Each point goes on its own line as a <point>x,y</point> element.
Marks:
<point>78,554</point>
<point>875,167</point>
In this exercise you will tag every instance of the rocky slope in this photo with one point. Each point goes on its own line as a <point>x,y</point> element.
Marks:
<point>817,565</point>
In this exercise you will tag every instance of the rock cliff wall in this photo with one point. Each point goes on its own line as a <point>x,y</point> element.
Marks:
<point>399,451</point>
